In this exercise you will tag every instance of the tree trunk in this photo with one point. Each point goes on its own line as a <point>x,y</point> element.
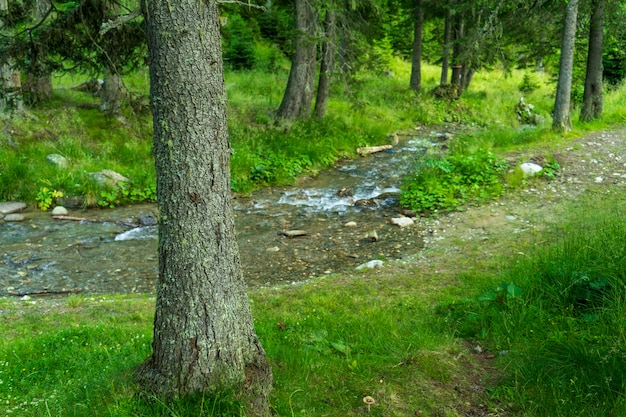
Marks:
<point>298,95</point>
<point>111,94</point>
<point>204,338</point>
<point>562,121</point>
<point>458,68</point>
<point>10,82</point>
<point>592,97</point>
<point>415,82</point>
<point>447,42</point>
<point>38,85</point>
<point>328,64</point>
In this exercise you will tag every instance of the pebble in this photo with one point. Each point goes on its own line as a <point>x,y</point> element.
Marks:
<point>350,224</point>
<point>402,221</point>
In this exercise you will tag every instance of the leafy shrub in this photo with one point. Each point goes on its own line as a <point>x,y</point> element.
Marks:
<point>447,92</point>
<point>529,84</point>
<point>450,182</point>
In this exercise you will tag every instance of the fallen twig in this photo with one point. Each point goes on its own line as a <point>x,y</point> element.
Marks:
<point>85,219</point>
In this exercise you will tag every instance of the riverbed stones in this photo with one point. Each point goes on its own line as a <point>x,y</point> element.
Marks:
<point>108,178</point>
<point>11,207</point>
<point>402,221</point>
<point>59,211</point>
<point>148,218</point>
<point>57,160</point>
<point>350,224</point>
<point>14,217</point>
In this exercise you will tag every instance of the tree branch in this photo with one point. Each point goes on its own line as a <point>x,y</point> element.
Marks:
<point>112,24</point>
<point>241,3</point>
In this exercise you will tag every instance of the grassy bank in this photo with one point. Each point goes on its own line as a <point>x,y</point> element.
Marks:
<point>552,323</point>
<point>362,111</point>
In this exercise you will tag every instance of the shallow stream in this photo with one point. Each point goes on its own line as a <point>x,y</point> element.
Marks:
<point>345,213</point>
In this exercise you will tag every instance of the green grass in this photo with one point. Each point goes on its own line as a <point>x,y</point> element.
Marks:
<point>330,343</point>
<point>563,325</point>
<point>557,322</point>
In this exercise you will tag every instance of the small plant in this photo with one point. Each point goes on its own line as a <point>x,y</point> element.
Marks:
<point>446,184</point>
<point>529,84</point>
<point>46,197</point>
<point>551,170</point>
<point>109,198</point>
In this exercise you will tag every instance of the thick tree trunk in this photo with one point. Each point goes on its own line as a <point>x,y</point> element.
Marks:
<point>38,85</point>
<point>204,338</point>
<point>10,82</point>
<point>447,43</point>
<point>562,121</point>
<point>328,64</point>
<point>112,94</point>
<point>415,82</point>
<point>298,95</point>
<point>592,97</point>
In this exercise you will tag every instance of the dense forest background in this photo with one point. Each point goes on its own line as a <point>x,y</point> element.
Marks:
<point>307,82</point>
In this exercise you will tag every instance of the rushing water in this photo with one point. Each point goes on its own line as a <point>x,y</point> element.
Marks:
<point>41,254</point>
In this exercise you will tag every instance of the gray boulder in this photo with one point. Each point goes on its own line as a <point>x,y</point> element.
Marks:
<point>11,207</point>
<point>108,178</point>
<point>57,160</point>
<point>14,217</point>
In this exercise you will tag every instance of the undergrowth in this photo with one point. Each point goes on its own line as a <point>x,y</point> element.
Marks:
<point>556,317</point>
<point>363,110</point>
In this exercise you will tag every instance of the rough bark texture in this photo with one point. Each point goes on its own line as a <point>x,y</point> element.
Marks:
<point>447,42</point>
<point>562,121</point>
<point>38,85</point>
<point>10,83</point>
<point>328,63</point>
<point>592,97</point>
<point>415,82</point>
<point>298,96</point>
<point>458,67</point>
<point>111,94</point>
<point>204,338</point>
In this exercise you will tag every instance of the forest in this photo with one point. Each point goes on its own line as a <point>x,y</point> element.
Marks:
<point>521,321</point>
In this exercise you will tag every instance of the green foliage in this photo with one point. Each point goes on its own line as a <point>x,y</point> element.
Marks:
<point>551,169</point>
<point>45,197</point>
<point>127,193</point>
<point>449,182</point>
<point>238,44</point>
<point>530,83</point>
<point>447,92</point>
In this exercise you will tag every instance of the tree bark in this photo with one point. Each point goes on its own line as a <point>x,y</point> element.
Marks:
<point>415,82</point>
<point>298,95</point>
<point>38,85</point>
<point>112,94</point>
<point>447,42</point>
<point>328,64</point>
<point>458,67</point>
<point>592,97</point>
<point>562,121</point>
<point>204,338</point>
<point>10,82</point>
